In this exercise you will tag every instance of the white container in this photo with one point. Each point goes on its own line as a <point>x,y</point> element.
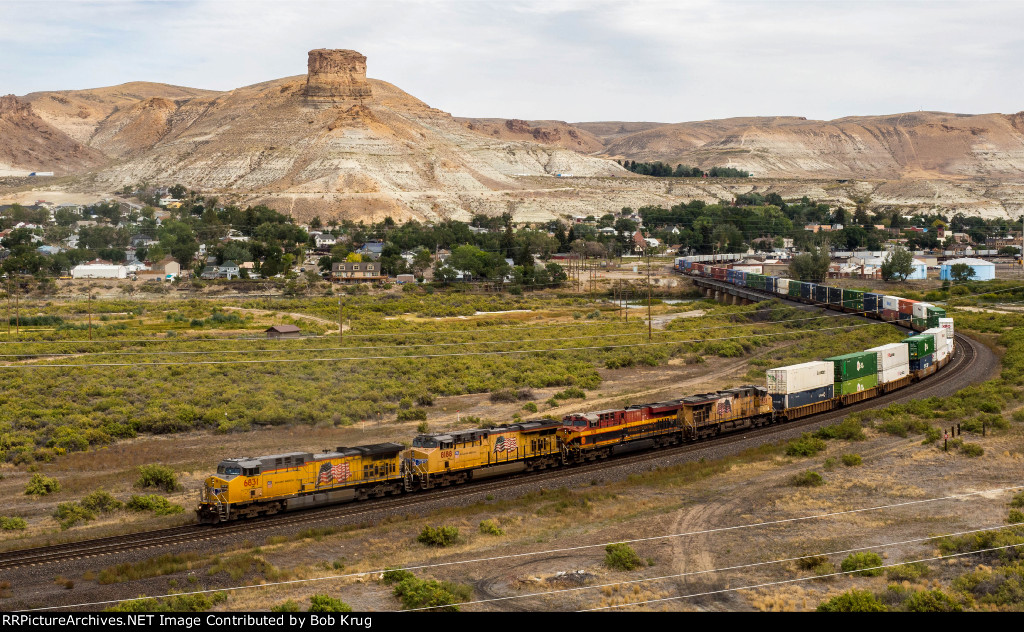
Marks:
<point>947,324</point>
<point>800,377</point>
<point>891,302</point>
<point>891,355</point>
<point>941,352</point>
<point>782,286</point>
<point>920,310</point>
<point>940,337</point>
<point>893,373</point>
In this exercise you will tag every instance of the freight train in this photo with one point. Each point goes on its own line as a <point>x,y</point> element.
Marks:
<point>250,487</point>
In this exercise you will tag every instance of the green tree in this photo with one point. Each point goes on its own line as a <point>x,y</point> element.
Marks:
<point>961,272</point>
<point>811,266</point>
<point>898,264</point>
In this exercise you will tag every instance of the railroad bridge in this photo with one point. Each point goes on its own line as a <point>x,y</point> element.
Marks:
<point>729,294</point>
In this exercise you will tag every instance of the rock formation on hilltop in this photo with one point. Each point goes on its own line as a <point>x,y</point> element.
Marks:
<point>336,75</point>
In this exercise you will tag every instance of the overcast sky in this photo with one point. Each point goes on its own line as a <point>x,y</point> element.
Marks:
<point>575,61</point>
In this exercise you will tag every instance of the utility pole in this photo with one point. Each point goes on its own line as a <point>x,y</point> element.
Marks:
<point>8,309</point>
<point>341,326</point>
<point>88,289</point>
<point>649,322</point>
<point>17,311</point>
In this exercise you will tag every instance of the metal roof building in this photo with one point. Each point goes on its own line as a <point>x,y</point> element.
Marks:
<point>983,270</point>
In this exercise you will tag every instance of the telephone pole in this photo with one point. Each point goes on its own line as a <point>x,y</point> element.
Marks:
<point>649,325</point>
<point>341,326</point>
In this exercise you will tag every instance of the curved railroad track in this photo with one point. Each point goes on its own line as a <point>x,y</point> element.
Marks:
<point>962,370</point>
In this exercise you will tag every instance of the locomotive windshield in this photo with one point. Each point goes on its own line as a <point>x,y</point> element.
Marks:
<point>229,469</point>
<point>424,442</point>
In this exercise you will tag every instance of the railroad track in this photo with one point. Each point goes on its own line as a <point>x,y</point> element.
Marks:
<point>954,376</point>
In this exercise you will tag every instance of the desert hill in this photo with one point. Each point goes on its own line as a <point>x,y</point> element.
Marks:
<point>335,143</point>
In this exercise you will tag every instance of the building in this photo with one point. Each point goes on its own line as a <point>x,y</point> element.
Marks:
<point>356,271</point>
<point>285,332</point>
<point>99,271</point>
<point>167,269</point>
<point>983,270</point>
<point>227,270</point>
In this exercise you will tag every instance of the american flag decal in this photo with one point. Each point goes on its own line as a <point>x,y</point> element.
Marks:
<point>505,443</point>
<point>336,473</point>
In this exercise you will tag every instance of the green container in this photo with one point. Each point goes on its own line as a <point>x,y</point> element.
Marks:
<point>853,299</point>
<point>921,322</point>
<point>854,365</point>
<point>934,314</point>
<point>849,387</point>
<point>794,288</point>
<point>920,346</point>
<point>755,281</point>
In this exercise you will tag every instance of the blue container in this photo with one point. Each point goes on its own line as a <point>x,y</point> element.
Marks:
<point>795,400</point>
<point>807,290</point>
<point>771,284</point>
<point>872,302</point>
<point>922,363</point>
<point>741,278</point>
<point>821,293</point>
<point>835,296</point>
<point>730,276</point>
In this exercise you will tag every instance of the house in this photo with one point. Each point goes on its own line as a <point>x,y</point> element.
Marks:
<point>405,278</point>
<point>167,269</point>
<point>372,248</point>
<point>356,271</point>
<point>284,332</point>
<point>226,270</point>
<point>324,240</point>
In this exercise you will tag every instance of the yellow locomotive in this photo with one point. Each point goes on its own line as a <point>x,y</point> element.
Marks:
<point>247,487</point>
<point>708,414</point>
<point>456,457</point>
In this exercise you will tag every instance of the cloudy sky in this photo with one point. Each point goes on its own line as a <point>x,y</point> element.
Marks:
<point>645,60</point>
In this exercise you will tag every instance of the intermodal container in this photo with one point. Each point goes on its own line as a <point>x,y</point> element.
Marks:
<point>891,303</point>
<point>770,284</point>
<point>920,310</point>
<point>849,387</point>
<point>807,291</point>
<point>920,345</point>
<point>782,286</point>
<point>800,377</point>
<point>935,314</point>
<point>782,401</point>
<point>919,323</point>
<point>730,275</point>
<point>891,355</point>
<point>853,299</point>
<point>947,324</point>
<point>794,288</point>
<point>821,293</point>
<point>894,373</point>
<point>941,345</point>
<point>854,365</point>
<point>917,364</point>
<point>907,307</point>
<point>718,273</point>
<point>741,278</point>
<point>872,302</point>
<point>755,281</point>
<point>890,315</point>
<point>835,296</point>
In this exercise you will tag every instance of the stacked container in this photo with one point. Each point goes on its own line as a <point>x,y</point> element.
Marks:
<point>906,309</point>
<point>821,293</point>
<point>872,302</point>
<point>893,362</point>
<point>947,324</point>
<point>934,315</point>
<point>921,348</point>
<point>801,384</point>
<point>853,299</point>
<point>807,291</point>
<point>835,296</point>
<point>782,286</point>
<point>795,288</point>
<point>919,314</point>
<point>854,372</point>
<point>770,284</point>
<point>891,308</point>
<point>941,345</point>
